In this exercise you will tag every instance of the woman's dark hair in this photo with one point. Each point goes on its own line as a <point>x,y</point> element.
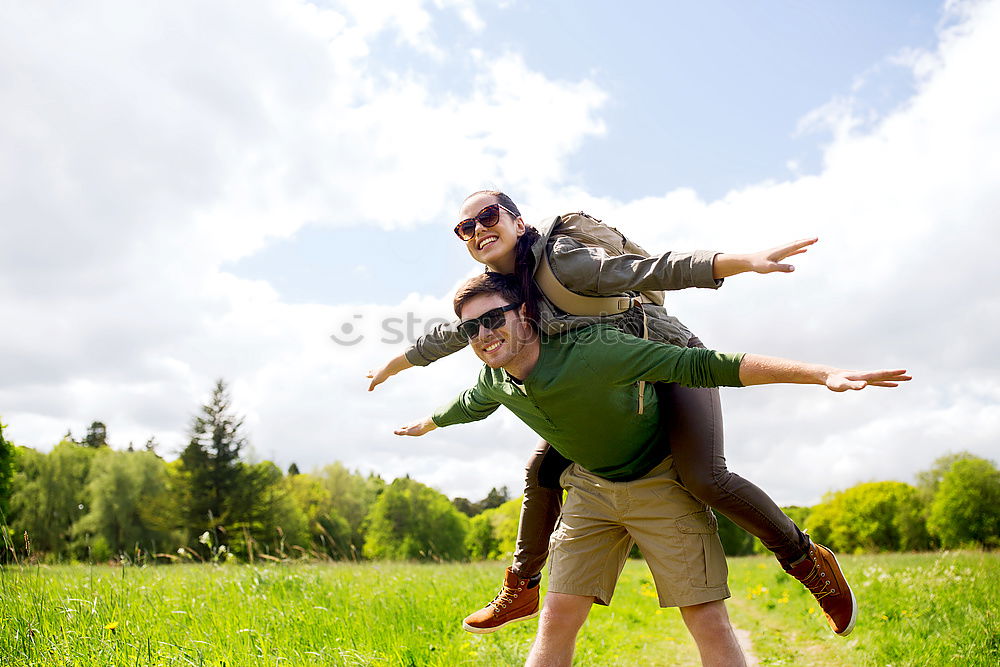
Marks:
<point>524,259</point>
<point>502,199</point>
<point>524,270</point>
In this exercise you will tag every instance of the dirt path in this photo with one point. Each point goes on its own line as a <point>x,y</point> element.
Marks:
<point>743,636</point>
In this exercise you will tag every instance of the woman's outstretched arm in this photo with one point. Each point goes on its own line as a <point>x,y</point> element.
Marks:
<point>396,364</point>
<point>591,270</point>
<point>439,342</point>
<point>764,261</point>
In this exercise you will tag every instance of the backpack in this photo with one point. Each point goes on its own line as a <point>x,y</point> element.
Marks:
<point>591,232</point>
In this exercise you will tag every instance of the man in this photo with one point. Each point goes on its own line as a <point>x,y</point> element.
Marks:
<point>578,391</point>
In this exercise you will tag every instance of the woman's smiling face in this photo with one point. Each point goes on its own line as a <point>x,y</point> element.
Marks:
<point>493,246</point>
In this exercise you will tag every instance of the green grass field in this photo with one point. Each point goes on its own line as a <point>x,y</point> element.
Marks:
<point>923,609</point>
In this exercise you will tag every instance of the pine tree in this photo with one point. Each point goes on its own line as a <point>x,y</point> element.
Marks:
<point>212,460</point>
<point>97,435</point>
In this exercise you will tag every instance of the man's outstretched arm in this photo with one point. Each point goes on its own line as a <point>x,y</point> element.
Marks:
<point>471,405</point>
<point>758,369</point>
<point>417,427</point>
<point>627,359</point>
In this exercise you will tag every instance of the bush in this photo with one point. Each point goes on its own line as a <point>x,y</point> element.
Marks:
<point>413,521</point>
<point>876,516</point>
<point>966,508</point>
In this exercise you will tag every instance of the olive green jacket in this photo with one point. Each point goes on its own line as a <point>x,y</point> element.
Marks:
<point>593,272</point>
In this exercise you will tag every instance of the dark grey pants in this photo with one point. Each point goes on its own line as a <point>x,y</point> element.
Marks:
<point>694,419</point>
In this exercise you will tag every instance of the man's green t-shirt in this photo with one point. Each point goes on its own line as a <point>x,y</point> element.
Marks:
<point>582,396</point>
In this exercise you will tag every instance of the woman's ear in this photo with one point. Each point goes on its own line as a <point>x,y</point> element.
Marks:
<point>519,226</point>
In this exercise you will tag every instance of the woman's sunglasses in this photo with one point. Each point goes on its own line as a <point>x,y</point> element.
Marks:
<point>488,217</point>
<point>491,319</point>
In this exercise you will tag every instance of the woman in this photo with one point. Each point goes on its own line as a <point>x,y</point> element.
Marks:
<point>496,235</point>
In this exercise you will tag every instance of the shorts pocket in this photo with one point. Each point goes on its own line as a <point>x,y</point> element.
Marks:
<point>703,555</point>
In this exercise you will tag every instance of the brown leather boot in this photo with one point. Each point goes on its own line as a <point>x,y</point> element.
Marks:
<point>514,602</point>
<point>821,574</point>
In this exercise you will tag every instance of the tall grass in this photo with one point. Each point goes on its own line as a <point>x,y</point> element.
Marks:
<point>916,610</point>
<point>913,609</point>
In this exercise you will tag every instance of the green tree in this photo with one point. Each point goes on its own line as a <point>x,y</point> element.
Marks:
<point>120,488</point>
<point>49,496</point>
<point>505,520</point>
<point>263,510</point>
<point>929,480</point>
<point>97,435</point>
<point>500,540</point>
<point>466,506</point>
<point>876,516</point>
<point>966,507</point>
<point>6,476</point>
<point>481,542</point>
<point>211,464</point>
<point>330,533</point>
<point>413,521</point>
<point>495,498</point>
<point>351,498</point>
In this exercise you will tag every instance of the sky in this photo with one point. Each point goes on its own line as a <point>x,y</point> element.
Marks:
<point>191,192</point>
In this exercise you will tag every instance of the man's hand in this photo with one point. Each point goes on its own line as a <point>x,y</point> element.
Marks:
<point>758,369</point>
<point>764,261</point>
<point>842,380</point>
<point>381,375</point>
<point>416,428</point>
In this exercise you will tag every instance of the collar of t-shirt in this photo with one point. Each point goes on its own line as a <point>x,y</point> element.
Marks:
<point>519,382</point>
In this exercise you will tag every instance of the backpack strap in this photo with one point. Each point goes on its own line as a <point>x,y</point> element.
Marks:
<point>590,306</point>
<point>573,303</point>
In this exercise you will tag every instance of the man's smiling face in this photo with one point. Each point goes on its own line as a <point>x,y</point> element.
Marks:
<point>497,347</point>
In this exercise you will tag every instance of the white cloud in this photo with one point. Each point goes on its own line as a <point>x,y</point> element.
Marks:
<point>145,146</point>
<point>903,277</point>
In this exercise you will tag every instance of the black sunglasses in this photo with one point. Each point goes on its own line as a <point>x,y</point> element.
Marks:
<point>488,217</point>
<point>491,319</point>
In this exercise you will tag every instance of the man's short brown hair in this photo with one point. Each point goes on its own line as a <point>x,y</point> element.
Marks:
<point>488,283</point>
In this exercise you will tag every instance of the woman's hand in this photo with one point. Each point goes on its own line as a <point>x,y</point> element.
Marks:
<point>381,375</point>
<point>764,261</point>
<point>417,428</point>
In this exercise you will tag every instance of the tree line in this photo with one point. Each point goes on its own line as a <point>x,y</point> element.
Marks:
<point>954,504</point>
<point>86,501</point>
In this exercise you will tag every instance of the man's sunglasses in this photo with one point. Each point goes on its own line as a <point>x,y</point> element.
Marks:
<point>491,319</point>
<point>488,217</point>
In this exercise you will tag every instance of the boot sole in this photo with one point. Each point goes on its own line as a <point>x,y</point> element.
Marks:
<point>854,602</point>
<point>486,631</point>
<point>854,615</point>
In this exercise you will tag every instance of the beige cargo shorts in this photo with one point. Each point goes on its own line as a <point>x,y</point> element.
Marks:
<point>677,535</point>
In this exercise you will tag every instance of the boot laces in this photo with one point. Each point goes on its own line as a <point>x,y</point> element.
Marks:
<point>816,581</point>
<point>505,596</point>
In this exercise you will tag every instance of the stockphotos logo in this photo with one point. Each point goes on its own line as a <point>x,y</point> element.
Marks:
<point>390,330</point>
